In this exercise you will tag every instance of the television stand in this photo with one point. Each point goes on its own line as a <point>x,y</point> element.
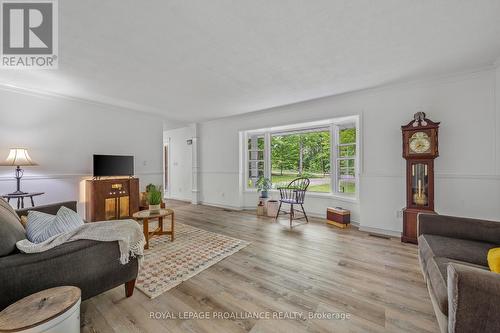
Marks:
<point>111,198</point>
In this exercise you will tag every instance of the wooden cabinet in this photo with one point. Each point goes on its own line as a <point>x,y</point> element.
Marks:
<point>420,148</point>
<point>111,199</point>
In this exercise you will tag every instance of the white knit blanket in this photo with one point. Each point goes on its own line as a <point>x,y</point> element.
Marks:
<point>127,232</point>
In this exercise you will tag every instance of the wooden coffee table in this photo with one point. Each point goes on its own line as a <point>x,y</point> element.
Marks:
<point>146,216</point>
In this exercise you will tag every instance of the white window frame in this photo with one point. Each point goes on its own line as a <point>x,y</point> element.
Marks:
<point>337,158</point>
<point>334,125</point>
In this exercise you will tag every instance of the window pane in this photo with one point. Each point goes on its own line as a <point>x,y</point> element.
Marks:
<point>347,135</point>
<point>255,170</point>
<point>304,154</point>
<point>256,142</point>
<point>346,176</point>
<point>255,146</point>
<point>347,186</point>
<point>255,155</point>
<point>347,150</point>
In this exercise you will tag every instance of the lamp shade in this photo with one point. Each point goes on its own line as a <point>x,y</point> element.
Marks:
<point>18,157</point>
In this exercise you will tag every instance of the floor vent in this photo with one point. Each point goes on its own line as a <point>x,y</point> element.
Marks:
<point>379,236</point>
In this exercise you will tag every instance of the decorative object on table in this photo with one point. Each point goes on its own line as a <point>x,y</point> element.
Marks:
<point>55,310</point>
<point>144,205</point>
<point>420,148</point>
<point>294,194</point>
<point>272,208</point>
<point>155,195</point>
<point>147,215</point>
<point>20,198</point>
<point>167,264</point>
<point>150,187</point>
<point>338,217</point>
<point>263,185</point>
<point>111,199</point>
<point>18,157</point>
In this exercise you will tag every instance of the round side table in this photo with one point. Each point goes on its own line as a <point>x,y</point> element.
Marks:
<point>55,310</point>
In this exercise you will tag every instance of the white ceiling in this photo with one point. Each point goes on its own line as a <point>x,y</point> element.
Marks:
<point>195,60</point>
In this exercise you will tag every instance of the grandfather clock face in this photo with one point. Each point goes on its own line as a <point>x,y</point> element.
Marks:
<point>419,143</point>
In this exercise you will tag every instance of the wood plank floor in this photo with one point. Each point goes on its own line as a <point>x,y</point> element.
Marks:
<point>314,268</point>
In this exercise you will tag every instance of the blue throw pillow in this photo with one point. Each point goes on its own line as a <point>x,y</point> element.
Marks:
<point>42,226</point>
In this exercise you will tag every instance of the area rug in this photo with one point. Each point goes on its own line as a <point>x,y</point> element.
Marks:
<point>167,264</point>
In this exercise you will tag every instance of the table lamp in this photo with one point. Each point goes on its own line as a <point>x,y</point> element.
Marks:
<point>18,157</point>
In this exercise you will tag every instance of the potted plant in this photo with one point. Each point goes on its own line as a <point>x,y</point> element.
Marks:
<point>154,198</point>
<point>263,185</point>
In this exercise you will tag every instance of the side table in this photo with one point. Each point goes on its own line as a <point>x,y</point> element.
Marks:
<point>55,310</point>
<point>20,198</point>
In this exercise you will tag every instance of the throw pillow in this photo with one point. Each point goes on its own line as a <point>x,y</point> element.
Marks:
<point>494,259</point>
<point>41,226</point>
<point>38,225</point>
<point>11,231</point>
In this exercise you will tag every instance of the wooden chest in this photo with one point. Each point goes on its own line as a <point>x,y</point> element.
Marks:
<point>338,216</point>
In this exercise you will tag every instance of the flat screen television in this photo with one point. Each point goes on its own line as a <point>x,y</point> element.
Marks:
<point>113,165</point>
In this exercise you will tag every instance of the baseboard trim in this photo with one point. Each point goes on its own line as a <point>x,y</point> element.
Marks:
<point>212,204</point>
<point>380,231</point>
<point>177,199</point>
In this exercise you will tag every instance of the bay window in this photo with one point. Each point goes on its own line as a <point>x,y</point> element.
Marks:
<point>326,152</point>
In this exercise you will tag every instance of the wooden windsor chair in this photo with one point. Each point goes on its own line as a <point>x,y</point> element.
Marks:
<point>294,194</point>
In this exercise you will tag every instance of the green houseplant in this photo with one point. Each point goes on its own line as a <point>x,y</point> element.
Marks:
<point>154,198</point>
<point>263,185</point>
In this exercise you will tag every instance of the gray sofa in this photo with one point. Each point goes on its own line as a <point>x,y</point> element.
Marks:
<point>92,266</point>
<point>453,256</point>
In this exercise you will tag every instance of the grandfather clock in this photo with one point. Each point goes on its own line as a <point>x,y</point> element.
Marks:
<point>420,148</point>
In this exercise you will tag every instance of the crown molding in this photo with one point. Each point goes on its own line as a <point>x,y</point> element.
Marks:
<point>97,101</point>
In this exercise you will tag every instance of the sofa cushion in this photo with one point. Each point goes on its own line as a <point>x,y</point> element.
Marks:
<point>11,230</point>
<point>473,252</point>
<point>437,278</point>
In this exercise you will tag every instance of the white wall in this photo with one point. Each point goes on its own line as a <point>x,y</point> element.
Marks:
<point>467,171</point>
<point>180,156</point>
<point>63,134</point>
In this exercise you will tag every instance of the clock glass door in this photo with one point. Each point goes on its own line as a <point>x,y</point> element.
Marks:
<point>420,184</point>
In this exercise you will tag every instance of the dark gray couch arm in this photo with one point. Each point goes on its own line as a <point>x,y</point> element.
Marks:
<point>459,227</point>
<point>474,299</point>
<point>48,209</point>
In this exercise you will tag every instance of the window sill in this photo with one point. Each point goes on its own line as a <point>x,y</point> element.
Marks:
<point>339,197</point>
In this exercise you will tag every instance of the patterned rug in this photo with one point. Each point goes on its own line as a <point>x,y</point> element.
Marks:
<point>166,264</point>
